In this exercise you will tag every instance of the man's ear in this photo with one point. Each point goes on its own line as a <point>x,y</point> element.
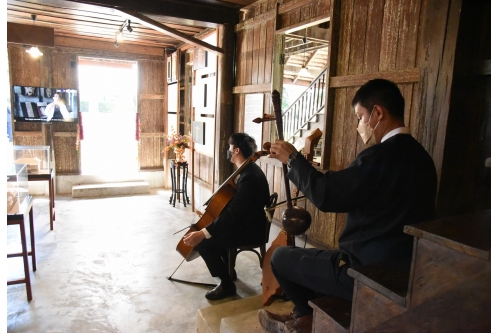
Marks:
<point>379,112</point>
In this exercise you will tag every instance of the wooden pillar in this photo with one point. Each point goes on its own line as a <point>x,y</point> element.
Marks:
<point>224,114</point>
<point>330,92</point>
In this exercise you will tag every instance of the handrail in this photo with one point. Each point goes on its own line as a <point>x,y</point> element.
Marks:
<point>305,107</point>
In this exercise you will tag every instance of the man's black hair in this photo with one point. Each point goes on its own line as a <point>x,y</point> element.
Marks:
<point>381,92</point>
<point>245,142</point>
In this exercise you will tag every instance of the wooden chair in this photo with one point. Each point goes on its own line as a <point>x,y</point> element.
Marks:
<point>233,252</point>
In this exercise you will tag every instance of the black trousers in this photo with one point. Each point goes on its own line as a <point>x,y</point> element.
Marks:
<point>214,252</point>
<point>305,274</point>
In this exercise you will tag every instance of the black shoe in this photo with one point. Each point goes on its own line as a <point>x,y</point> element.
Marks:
<point>221,292</point>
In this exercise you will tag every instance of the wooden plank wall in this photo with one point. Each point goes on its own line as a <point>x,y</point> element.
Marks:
<point>151,113</point>
<point>254,63</point>
<point>391,39</point>
<point>58,68</point>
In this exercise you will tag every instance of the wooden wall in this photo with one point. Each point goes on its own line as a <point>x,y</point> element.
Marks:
<point>409,42</point>
<point>152,78</point>
<point>58,68</point>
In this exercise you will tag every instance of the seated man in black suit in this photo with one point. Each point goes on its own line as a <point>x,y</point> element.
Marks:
<point>242,222</point>
<point>390,184</point>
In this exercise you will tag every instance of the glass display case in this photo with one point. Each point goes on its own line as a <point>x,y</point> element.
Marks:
<point>36,158</point>
<point>17,186</point>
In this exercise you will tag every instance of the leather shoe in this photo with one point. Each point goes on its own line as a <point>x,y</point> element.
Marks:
<point>221,292</point>
<point>274,323</point>
<point>301,325</point>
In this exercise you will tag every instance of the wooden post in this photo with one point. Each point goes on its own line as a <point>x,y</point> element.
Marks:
<point>224,119</point>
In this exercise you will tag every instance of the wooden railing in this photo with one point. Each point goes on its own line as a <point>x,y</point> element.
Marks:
<point>305,108</point>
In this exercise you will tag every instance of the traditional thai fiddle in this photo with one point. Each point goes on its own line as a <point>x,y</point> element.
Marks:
<point>217,203</point>
<point>294,219</point>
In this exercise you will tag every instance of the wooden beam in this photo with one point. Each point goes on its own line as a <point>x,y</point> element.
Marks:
<point>152,135</point>
<point>270,15</point>
<point>150,96</point>
<point>184,12</point>
<point>27,133</point>
<point>254,88</point>
<point>108,46</point>
<point>398,76</point>
<point>150,23</point>
<point>304,24</point>
<point>64,134</point>
<point>30,34</point>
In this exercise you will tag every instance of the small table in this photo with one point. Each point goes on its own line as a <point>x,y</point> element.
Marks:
<point>18,218</point>
<point>33,177</point>
<point>179,186</point>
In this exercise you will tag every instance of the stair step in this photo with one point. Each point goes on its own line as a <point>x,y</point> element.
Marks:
<point>331,314</point>
<point>109,189</point>
<point>465,308</point>
<point>239,316</point>
<point>470,233</point>
<point>389,278</point>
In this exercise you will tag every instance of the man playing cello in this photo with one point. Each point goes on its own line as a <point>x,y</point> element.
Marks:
<point>242,222</point>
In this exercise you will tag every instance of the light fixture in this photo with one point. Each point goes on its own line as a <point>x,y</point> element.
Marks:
<point>119,37</point>
<point>34,51</point>
<point>303,71</point>
<point>129,28</point>
<point>119,33</point>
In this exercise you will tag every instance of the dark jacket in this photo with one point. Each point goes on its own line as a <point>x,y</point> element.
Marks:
<point>243,221</point>
<point>387,186</point>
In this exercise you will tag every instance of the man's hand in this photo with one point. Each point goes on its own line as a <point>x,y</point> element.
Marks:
<point>193,238</point>
<point>281,150</point>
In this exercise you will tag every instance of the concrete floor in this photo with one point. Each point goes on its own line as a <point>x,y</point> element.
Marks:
<point>104,268</point>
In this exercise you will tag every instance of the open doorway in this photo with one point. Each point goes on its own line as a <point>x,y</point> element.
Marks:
<point>108,102</point>
<point>305,82</point>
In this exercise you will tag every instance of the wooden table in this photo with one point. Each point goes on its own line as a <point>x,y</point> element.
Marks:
<point>48,176</point>
<point>18,218</point>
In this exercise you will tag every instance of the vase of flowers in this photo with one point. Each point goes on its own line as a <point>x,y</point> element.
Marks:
<point>178,143</point>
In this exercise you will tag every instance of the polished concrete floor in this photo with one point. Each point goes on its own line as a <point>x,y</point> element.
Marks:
<point>105,268</point>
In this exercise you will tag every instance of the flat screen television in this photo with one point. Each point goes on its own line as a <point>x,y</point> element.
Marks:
<point>45,104</point>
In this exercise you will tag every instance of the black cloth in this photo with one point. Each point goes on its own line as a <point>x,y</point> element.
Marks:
<point>242,222</point>
<point>57,113</point>
<point>387,186</point>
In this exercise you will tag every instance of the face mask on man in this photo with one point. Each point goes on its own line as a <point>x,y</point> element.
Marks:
<point>229,154</point>
<point>366,132</point>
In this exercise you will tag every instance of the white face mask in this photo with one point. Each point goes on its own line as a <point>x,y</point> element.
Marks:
<point>365,131</point>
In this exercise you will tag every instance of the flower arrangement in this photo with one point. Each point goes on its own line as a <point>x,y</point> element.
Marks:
<point>175,141</point>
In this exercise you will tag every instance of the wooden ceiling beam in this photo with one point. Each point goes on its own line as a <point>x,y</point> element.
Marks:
<point>146,21</point>
<point>187,12</point>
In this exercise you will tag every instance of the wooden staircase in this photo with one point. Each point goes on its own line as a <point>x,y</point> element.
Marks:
<point>447,287</point>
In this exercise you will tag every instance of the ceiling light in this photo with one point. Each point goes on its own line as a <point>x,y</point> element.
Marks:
<point>34,52</point>
<point>119,37</point>
<point>303,71</point>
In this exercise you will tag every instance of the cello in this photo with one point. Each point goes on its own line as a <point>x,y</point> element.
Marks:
<point>295,220</point>
<point>217,203</point>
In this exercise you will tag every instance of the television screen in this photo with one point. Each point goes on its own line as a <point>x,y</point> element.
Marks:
<point>44,104</point>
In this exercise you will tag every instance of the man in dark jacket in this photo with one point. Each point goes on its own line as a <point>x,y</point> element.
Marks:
<point>242,222</point>
<point>389,185</point>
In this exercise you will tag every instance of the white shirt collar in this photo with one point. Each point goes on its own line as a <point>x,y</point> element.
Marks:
<point>399,130</point>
